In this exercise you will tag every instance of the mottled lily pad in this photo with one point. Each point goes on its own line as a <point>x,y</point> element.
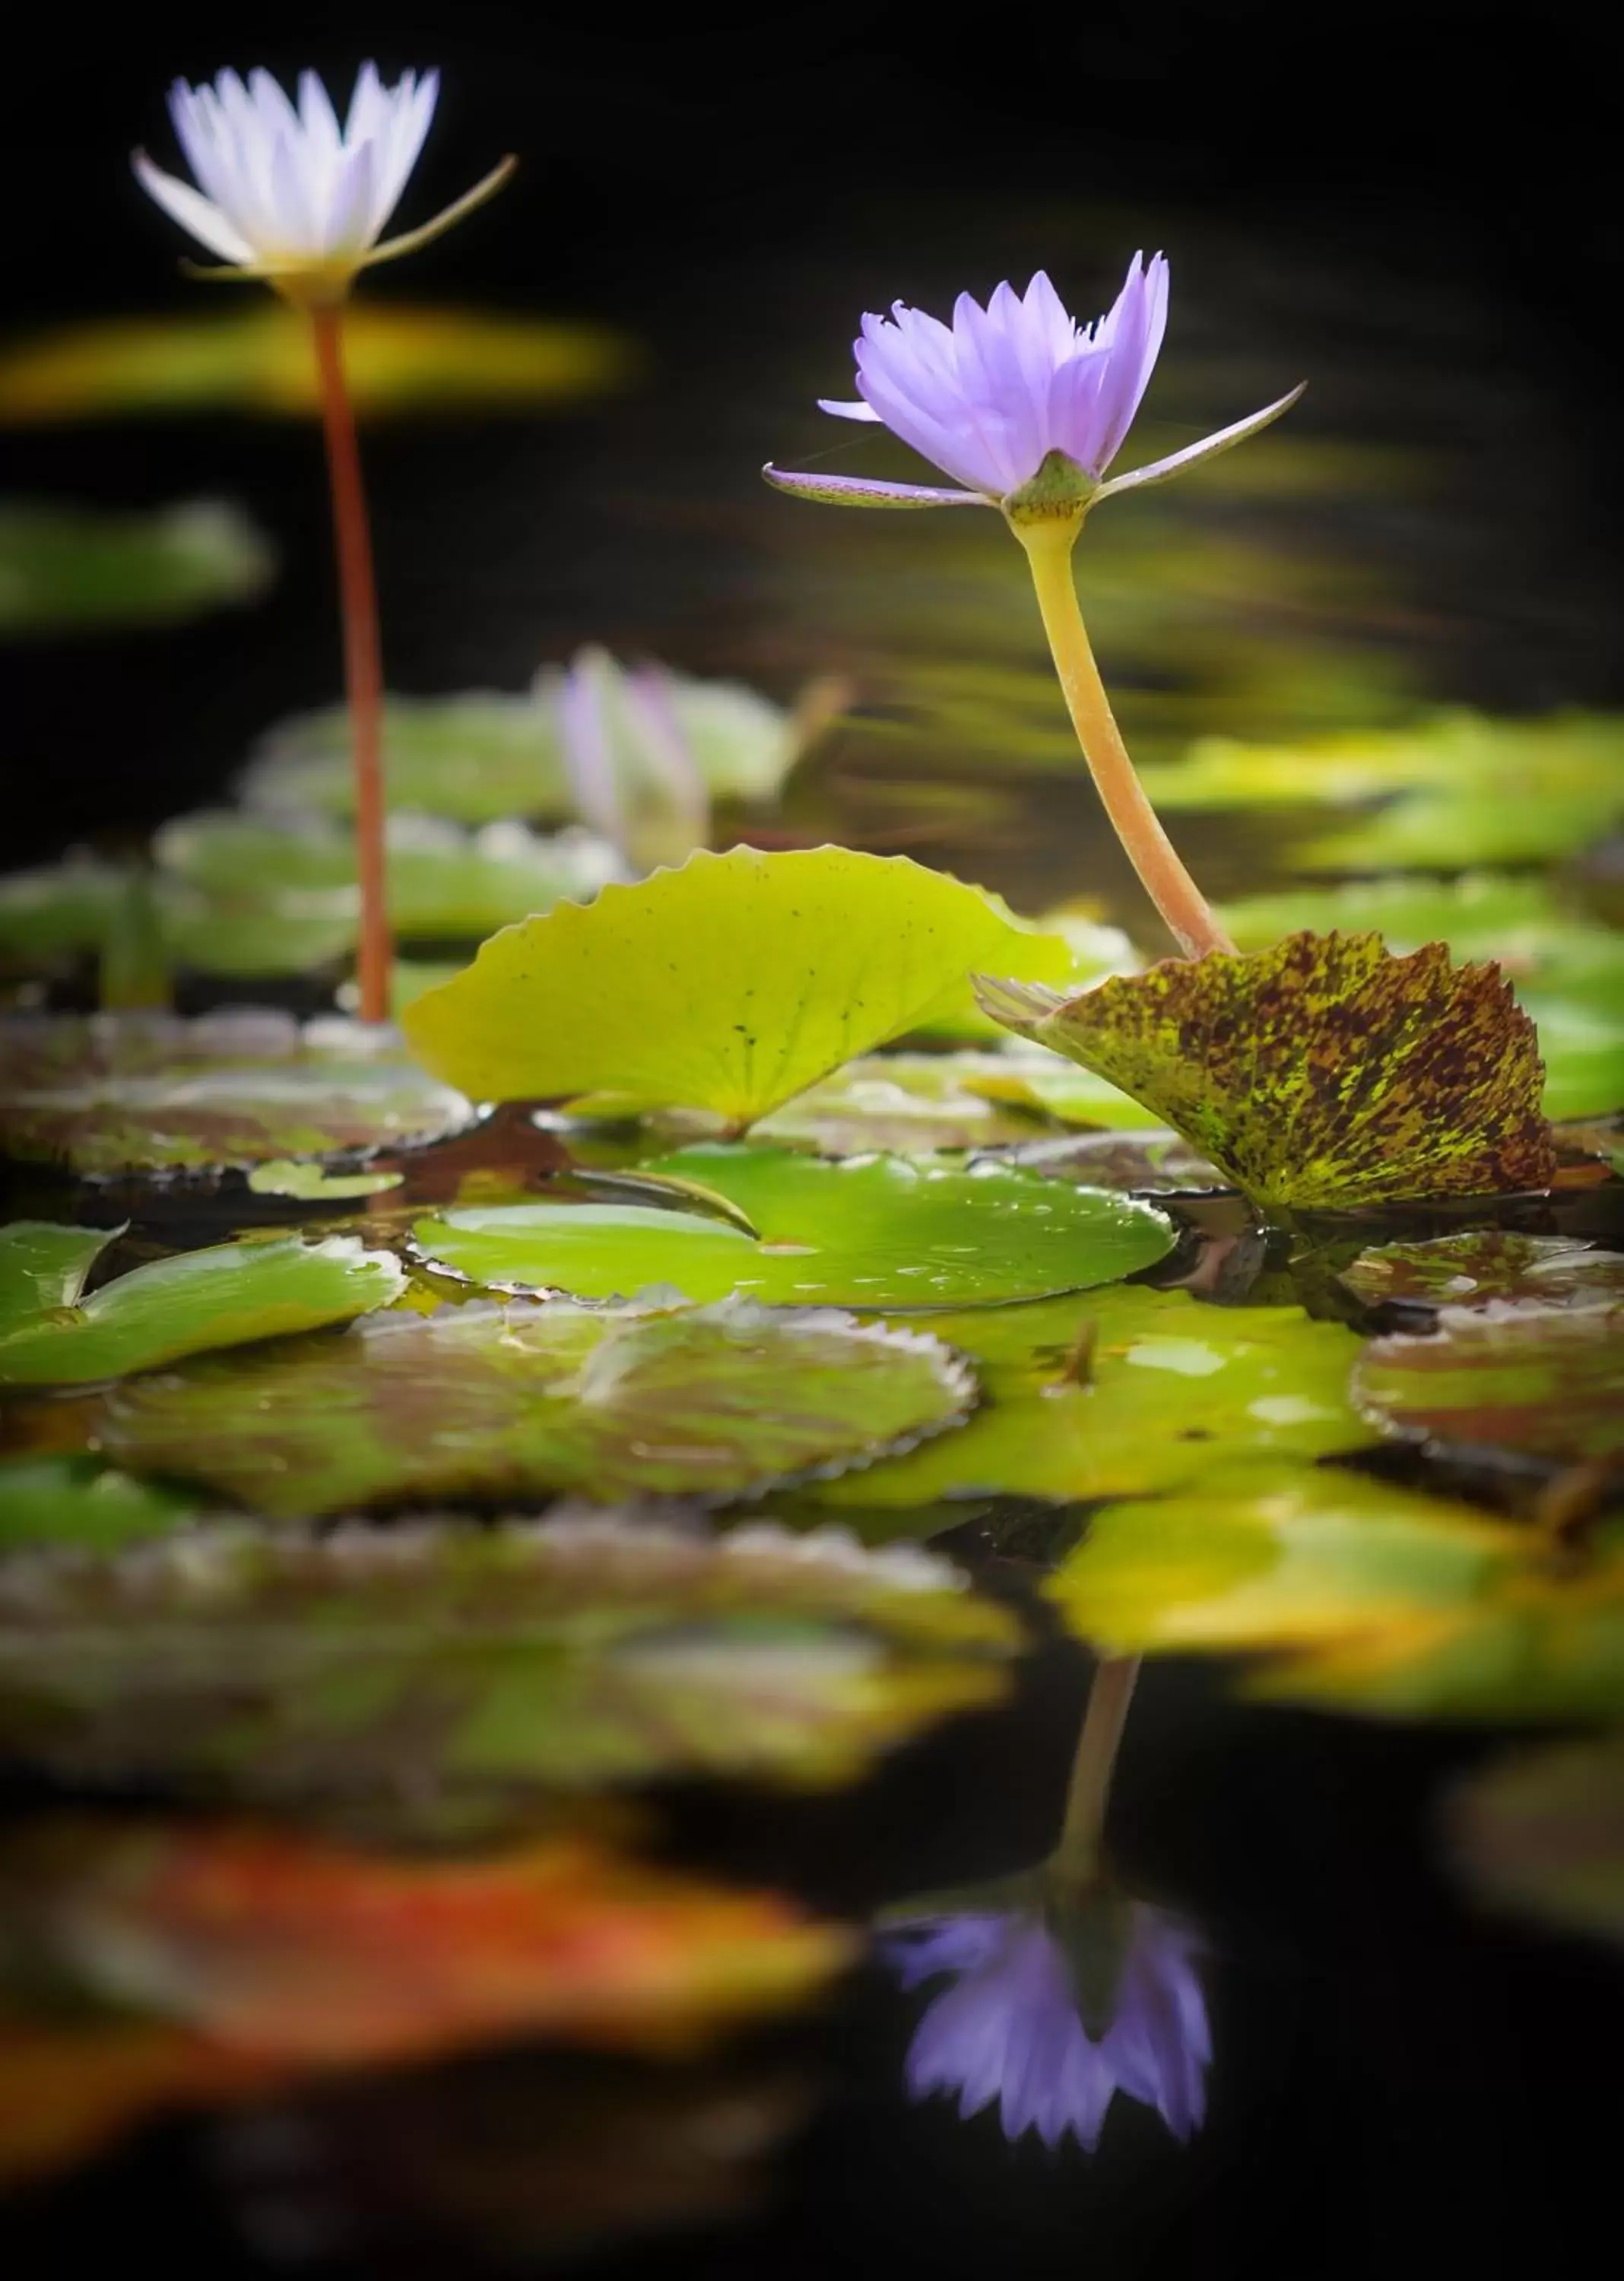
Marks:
<point>75,1501</point>
<point>224,1295</point>
<point>471,1672</point>
<point>866,1232</point>
<point>1459,790</point>
<point>492,1403</point>
<point>1485,1264</point>
<point>1542,1834</point>
<point>67,569</point>
<point>256,359</point>
<point>729,986</point>
<point>1122,1392</point>
<point>105,1093</point>
<point>1323,1072</point>
<point>1539,1382</point>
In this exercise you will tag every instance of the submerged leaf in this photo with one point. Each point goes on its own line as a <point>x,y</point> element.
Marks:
<point>728,986</point>
<point>456,1677</point>
<point>1323,1072</point>
<point>1485,1264</point>
<point>1544,1381</point>
<point>1121,1392</point>
<point>63,568</point>
<point>491,1402</point>
<point>225,1295</point>
<point>1542,1833</point>
<point>867,1232</point>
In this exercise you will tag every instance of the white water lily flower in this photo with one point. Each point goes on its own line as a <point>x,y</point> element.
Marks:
<point>285,193</point>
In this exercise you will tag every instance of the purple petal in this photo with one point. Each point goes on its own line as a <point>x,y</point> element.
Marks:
<point>1133,331</point>
<point>915,1951</point>
<point>855,490</point>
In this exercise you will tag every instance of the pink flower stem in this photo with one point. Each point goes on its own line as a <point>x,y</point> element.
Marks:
<point>1049,543</point>
<point>363,663</point>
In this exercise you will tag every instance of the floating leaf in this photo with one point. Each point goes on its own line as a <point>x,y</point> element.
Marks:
<point>399,360</point>
<point>491,1402</point>
<point>58,911</point>
<point>75,1501</point>
<point>729,986</point>
<point>869,1231</point>
<point>1323,1072</point>
<point>1484,1264</point>
<point>1543,1381</point>
<point>109,1094</point>
<point>1154,1160</point>
<point>458,1677</point>
<point>224,1295</point>
<point>1461,790</point>
<point>906,1102</point>
<point>1122,1392</point>
<point>44,1267</point>
<point>63,568</point>
<point>1364,1597</point>
<point>1542,1833</point>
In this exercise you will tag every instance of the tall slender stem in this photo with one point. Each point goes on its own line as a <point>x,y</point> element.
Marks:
<point>1049,544</point>
<point>1076,1860</point>
<point>363,662</point>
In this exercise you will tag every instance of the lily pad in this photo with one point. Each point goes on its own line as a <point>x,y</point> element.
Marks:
<point>1484,1265</point>
<point>44,1267</point>
<point>867,1232</point>
<point>1542,1833</point>
<point>1152,1161</point>
<point>104,1095</point>
<point>905,1102</point>
<point>469,1674</point>
<point>75,1501</point>
<point>1323,1072</point>
<point>399,360</point>
<point>1096,951</point>
<point>65,569</point>
<point>491,1402</point>
<point>729,986</point>
<point>1541,1381</point>
<point>224,1295</point>
<point>58,911</point>
<point>1122,1392</point>
<point>1460,790</point>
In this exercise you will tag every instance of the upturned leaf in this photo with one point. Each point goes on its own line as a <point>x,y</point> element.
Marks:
<point>729,986</point>
<point>1323,1072</point>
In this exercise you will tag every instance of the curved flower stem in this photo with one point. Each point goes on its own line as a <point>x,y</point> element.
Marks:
<point>1049,544</point>
<point>1075,1863</point>
<point>363,663</point>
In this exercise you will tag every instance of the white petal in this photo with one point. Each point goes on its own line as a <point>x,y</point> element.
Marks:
<point>402,142</point>
<point>858,411</point>
<point>347,227</point>
<point>317,116</point>
<point>194,212</point>
<point>368,107</point>
<point>282,121</point>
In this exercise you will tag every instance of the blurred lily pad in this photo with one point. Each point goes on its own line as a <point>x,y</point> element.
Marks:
<point>905,1102</point>
<point>76,1501</point>
<point>1096,952</point>
<point>1322,1072</point>
<point>1542,1833</point>
<point>457,1678</point>
<point>106,1093</point>
<point>226,1294</point>
<point>870,1231</point>
<point>1154,1160</point>
<point>728,986</point>
<point>1541,1381</point>
<point>491,1402</point>
<point>58,910</point>
<point>66,569</point>
<point>257,359</point>
<point>1122,1392</point>
<point>1460,790</point>
<point>1487,1264</point>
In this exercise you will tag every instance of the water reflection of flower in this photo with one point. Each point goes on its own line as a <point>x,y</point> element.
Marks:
<point>1012,2028</point>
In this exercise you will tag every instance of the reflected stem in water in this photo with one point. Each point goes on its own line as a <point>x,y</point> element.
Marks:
<point>1075,1866</point>
<point>363,662</point>
<point>1049,542</point>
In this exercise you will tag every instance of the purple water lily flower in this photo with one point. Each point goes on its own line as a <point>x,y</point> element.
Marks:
<point>1006,391</point>
<point>1011,2028</point>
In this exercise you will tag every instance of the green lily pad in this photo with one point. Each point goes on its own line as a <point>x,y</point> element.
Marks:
<point>108,1093</point>
<point>460,1675</point>
<point>1584,1053</point>
<point>58,910</point>
<point>44,1267</point>
<point>51,1501</point>
<point>869,1231</point>
<point>1322,1072</point>
<point>1153,1161</point>
<point>1542,1833</point>
<point>1460,790</point>
<point>1484,1265</point>
<point>224,1295</point>
<point>1096,951</point>
<point>489,1402</point>
<point>905,1102</point>
<point>1122,1392</point>
<point>65,569</point>
<point>1542,1382</point>
<point>729,986</point>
